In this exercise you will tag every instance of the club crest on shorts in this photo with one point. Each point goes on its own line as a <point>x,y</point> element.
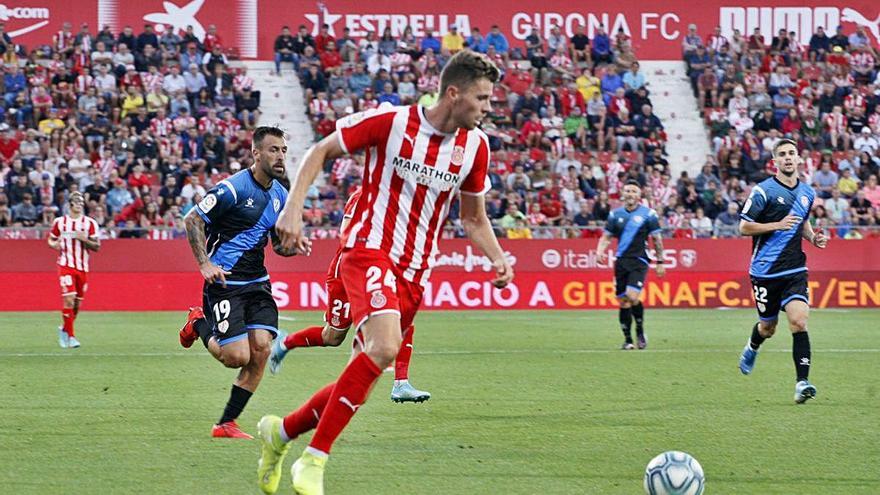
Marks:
<point>334,321</point>
<point>223,326</point>
<point>457,155</point>
<point>378,300</point>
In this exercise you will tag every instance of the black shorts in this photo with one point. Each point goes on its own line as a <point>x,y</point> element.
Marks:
<point>629,273</point>
<point>772,294</point>
<point>234,311</point>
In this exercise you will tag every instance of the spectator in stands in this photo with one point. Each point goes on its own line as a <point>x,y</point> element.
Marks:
<point>625,131</point>
<point>837,207</point>
<point>452,41</point>
<point>825,180</point>
<point>601,50</point>
<point>861,210</point>
<point>497,40</point>
<point>691,41</point>
<point>727,223</point>
<point>25,212</point>
<point>579,46</point>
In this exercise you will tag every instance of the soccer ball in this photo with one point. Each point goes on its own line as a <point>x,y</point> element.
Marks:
<point>674,473</point>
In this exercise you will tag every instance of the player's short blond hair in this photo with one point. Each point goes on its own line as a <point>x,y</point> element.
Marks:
<point>467,67</point>
<point>76,196</point>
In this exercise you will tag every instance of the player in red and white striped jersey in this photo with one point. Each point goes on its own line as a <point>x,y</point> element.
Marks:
<point>73,235</point>
<point>418,160</point>
<point>337,321</point>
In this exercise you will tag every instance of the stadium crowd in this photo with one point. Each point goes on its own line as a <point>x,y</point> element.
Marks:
<point>144,123</point>
<point>572,118</point>
<point>141,123</point>
<point>824,95</point>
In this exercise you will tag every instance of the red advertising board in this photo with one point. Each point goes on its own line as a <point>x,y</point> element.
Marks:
<point>656,27</point>
<point>559,274</point>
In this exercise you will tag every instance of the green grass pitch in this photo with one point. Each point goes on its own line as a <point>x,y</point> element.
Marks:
<point>524,403</point>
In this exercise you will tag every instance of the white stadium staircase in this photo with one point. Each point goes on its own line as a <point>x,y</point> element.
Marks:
<point>281,102</point>
<point>675,104</point>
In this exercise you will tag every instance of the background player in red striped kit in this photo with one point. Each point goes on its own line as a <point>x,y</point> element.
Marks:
<point>337,321</point>
<point>418,160</point>
<point>73,235</point>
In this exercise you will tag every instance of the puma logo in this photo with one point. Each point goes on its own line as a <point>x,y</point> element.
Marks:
<point>409,139</point>
<point>348,403</point>
<point>856,17</point>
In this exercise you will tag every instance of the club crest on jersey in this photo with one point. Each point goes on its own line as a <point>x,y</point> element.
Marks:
<point>378,300</point>
<point>804,201</point>
<point>276,204</point>
<point>638,219</point>
<point>457,155</point>
<point>208,203</point>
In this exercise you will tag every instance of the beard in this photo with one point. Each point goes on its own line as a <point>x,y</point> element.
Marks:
<point>788,173</point>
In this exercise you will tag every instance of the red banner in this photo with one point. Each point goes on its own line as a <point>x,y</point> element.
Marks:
<point>562,274</point>
<point>656,27</point>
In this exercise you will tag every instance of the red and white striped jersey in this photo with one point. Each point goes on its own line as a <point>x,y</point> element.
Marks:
<point>182,124</point>
<point>413,173</point>
<point>853,100</point>
<point>862,61</point>
<point>400,61</point>
<point>207,124</point>
<point>228,128</point>
<point>106,166</point>
<point>73,253</point>
<point>84,82</point>
<point>836,122</point>
<point>351,203</point>
<point>242,82</point>
<point>152,81</point>
<point>161,127</point>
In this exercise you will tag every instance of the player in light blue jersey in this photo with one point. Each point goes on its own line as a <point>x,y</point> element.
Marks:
<point>776,215</point>
<point>632,224</point>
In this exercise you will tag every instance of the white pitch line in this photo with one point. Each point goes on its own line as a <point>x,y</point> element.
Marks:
<point>286,318</point>
<point>456,353</point>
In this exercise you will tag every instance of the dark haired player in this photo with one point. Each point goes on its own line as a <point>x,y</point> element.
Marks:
<point>776,216</point>
<point>418,160</point>
<point>632,224</point>
<point>227,232</point>
<point>73,235</point>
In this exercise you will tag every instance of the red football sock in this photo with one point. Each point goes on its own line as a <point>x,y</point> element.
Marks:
<point>401,365</point>
<point>68,317</point>
<point>306,417</point>
<point>348,395</point>
<point>307,337</point>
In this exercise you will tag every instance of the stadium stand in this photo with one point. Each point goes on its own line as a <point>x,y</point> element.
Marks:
<point>572,118</point>
<point>142,124</point>
<point>824,95</point>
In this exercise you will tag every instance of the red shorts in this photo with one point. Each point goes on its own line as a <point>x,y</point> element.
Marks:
<point>338,314</point>
<point>73,281</point>
<point>375,287</point>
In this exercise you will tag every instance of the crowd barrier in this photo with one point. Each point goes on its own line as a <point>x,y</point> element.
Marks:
<point>141,275</point>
